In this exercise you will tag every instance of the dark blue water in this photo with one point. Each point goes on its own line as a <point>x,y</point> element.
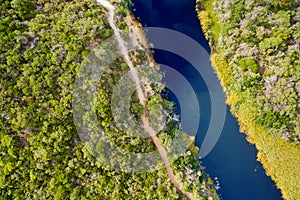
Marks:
<point>232,160</point>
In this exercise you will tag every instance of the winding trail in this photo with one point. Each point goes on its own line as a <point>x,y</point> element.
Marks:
<point>142,100</point>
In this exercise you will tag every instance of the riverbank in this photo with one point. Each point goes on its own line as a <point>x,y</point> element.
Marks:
<point>138,38</point>
<point>279,157</point>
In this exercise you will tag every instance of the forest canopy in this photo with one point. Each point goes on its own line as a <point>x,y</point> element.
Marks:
<point>42,46</point>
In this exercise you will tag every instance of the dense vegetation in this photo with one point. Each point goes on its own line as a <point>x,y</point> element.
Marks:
<point>42,46</point>
<point>255,52</point>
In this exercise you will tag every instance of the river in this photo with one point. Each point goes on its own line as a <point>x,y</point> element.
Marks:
<point>233,159</point>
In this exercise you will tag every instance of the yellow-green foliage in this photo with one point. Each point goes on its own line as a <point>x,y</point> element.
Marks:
<point>208,19</point>
<point>220,65</point>
<point>206,22</point>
